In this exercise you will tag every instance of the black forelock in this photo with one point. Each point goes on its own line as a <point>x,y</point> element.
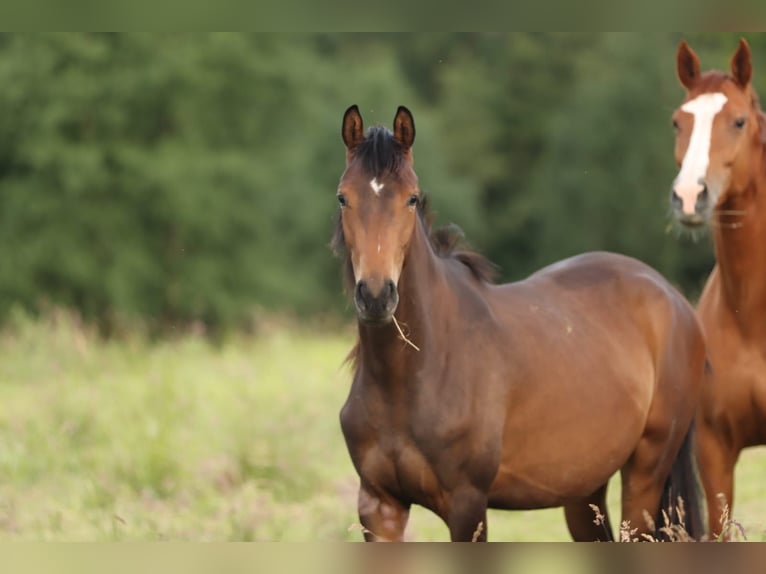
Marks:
<point>379,153</point>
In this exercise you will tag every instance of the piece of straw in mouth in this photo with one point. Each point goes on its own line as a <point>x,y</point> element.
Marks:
<point>404,337</point>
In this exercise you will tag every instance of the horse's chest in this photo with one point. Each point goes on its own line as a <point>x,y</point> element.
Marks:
<point>419,448</point>
<point>737,399</point>
<point>389,457</point>
<point>400,468</point>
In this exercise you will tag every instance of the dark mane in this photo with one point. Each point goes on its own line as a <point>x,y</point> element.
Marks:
<point>447,243</point>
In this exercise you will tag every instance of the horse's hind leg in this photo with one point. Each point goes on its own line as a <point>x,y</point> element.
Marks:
<point>643,480</point>
<point>641,496</point>
<point>587,524</point>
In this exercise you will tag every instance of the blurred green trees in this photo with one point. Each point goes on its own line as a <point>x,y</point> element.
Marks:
<point>177,177</point>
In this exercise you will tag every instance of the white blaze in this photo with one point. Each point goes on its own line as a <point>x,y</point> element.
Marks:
<point>376,187</point>
<point>694,166</point>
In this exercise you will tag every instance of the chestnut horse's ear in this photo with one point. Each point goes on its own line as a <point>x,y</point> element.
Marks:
<point>688,65</point>
<point>741,66</point>
<point>404,127</point>
<point>353,128</point>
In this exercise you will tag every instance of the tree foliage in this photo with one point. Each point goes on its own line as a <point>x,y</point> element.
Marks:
<point>172,178</point>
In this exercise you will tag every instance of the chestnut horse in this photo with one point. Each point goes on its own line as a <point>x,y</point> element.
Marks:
<point>721,150</point>
<point>468,395</point>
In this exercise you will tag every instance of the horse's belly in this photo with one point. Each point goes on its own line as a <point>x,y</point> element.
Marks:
<point>548,464</point>
<point>526,489</point>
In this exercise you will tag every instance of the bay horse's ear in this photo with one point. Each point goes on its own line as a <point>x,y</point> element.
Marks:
<point>404,127</point>
<point>688,65</point>
<point>353,128</point>
<point>741,66</point>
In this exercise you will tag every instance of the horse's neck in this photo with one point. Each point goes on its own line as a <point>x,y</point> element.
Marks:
<point>740,237</point>
<point>424,295</point>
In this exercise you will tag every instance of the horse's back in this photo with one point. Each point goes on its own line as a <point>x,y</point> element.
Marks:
<point>602,268</point>
<point>614,284</point>
<point>627,296</point>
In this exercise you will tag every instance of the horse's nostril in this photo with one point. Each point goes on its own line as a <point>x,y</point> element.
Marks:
<point>675,199</point>
<point>702,200</point>
<point>362,292</point>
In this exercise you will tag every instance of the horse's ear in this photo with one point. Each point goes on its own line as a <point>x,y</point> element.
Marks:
<point>741,66</point>
<point>404,127</point>
<point>353,128</point>
<point>688,65</point>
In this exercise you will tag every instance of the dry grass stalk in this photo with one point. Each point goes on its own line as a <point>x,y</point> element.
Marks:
<point>477,533</point>
<point>669,531</point>
<point>627,534</point>
<point>361,528</point>
<point>728,524</point>
<point>403,336</point>
<point>650,524</point>
<point>600,519</point>
<point>676,532</point>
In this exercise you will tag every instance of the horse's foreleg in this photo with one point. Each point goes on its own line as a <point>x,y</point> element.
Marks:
<point>716,468</point>
<point>467,515</point>
<point>383,517</point>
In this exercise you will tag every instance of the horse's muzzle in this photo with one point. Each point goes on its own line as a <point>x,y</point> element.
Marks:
<point>377,307</point>
<point>691,221</point>
<point>682,209</point>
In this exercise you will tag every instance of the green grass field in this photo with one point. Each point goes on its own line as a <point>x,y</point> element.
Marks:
<point>186,441</point>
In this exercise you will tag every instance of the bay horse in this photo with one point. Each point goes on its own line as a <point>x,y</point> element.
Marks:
<point>720,146</point>
<point>467,394</point>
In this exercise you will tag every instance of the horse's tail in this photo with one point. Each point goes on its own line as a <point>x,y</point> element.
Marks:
<point>681,514</point>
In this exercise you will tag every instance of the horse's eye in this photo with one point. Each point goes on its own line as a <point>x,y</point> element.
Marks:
<point>342,200</point>
<point>675,125</point>
<point>739,123</point>
<point>413,200</point>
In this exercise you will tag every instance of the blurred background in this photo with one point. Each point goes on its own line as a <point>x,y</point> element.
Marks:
<point>173,324</point>
<point>167,179</point>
